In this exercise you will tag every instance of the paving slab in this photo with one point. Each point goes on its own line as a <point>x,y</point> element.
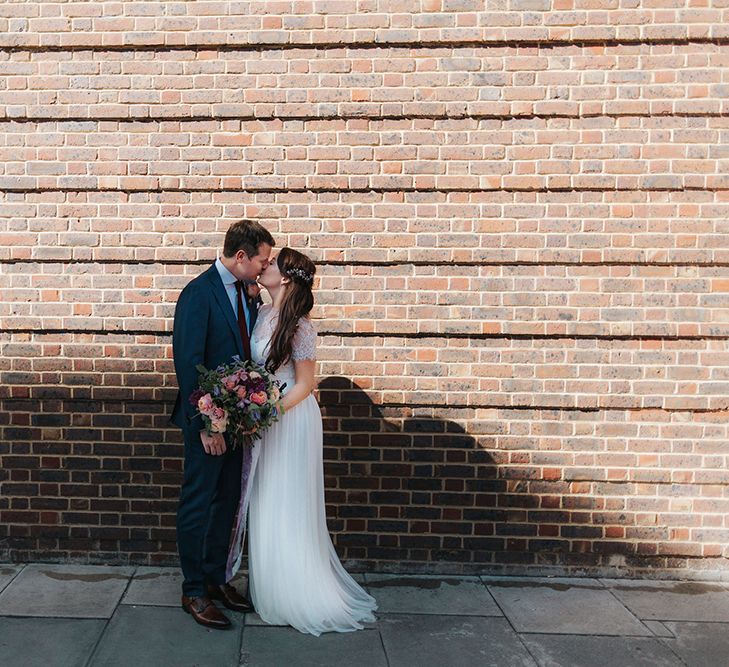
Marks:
<point>8,572</point>
<point>165,637</point>
<point>65,591</point>
<point>161,586</point>
<point>700,644</point>
<point>562,605</point>
<point>48,641</point>
<point>581,651</point>
<point>672,600</point>
<point>441,595</point>
<point>274,646</point>
<point>441,641</point>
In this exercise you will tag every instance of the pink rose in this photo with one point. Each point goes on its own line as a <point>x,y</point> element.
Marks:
<point>259,397</point>
<point>218,413</point>
<point>241,393</point>
<point>229,382</point>
<point>205,404</point>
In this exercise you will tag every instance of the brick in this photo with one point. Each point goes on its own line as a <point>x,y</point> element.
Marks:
<point>522,269</point>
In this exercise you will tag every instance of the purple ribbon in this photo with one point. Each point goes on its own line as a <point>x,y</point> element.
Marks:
<point>235,552</point>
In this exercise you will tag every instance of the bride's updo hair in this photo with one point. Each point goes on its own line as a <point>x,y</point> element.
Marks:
<point>297,302</point>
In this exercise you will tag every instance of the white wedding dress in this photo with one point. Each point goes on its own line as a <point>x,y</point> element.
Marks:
<point>295,577</point>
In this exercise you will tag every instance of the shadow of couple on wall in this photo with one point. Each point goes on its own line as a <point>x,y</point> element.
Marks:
<point>405,490</point>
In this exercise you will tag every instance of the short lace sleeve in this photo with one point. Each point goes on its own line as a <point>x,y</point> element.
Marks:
<point>304,344</point>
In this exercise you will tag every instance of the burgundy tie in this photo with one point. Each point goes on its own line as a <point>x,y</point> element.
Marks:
<point>242,320</point>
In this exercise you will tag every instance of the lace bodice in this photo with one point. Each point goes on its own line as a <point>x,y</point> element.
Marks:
<point>304,344</point>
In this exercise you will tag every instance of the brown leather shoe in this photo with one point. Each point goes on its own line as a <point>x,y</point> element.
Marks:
<point>205,612</point>
<point>230,597</point>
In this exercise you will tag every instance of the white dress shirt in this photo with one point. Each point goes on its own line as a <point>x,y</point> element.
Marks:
<point>229,281</point>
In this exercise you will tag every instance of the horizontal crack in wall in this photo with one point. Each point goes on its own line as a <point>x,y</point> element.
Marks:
<point>284,190</point>
<point>392,334</point>
<point>384,44</point>
<point>310,117</point>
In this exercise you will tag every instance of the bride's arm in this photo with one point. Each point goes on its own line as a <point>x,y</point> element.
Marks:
<point>304,385</point>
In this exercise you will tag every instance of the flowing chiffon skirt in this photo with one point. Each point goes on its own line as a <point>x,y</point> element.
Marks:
<point>295,577</point>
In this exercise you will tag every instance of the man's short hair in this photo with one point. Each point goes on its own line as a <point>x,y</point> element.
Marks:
<point>246,235</point>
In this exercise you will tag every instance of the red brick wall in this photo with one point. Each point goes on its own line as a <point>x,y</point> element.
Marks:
<point>519,211</point>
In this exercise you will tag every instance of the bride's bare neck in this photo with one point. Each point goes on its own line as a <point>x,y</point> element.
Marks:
<point>277,295</point>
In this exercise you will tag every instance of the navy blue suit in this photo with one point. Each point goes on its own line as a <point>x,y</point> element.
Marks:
<point>205,332</point>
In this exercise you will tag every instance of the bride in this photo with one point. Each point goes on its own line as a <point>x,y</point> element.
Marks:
<point>295,577</point>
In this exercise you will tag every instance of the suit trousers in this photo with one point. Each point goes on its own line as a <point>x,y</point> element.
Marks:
<point>205,514</point>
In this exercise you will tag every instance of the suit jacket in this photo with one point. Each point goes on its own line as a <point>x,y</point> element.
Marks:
<point>205,331</point>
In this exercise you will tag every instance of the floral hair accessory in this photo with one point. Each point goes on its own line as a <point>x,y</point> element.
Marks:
<point>301,274</point>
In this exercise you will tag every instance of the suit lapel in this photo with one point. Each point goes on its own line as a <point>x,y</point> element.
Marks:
<point>218,290</point>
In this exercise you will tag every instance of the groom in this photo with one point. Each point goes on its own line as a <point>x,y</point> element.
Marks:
<point>214,317</point>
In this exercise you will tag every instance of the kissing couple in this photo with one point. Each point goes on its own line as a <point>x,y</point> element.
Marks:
<point>294,575</point>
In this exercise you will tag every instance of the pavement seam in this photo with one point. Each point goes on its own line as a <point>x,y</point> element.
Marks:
<point>13,578</point>
<point>640,620</point>
<point>669,641</point>
<point>244,623</point>
<point>67,618</point>
<point>382,643</point>
<point>654,620</point>
<point>657,639</point>
<point>108,620</point>
<point>585,634</point>
<point>365,584</point>
<point>441,613</point>
<point>604,587</point>
<point>511,625</point>
<point>667,644</point>
<point>685,620</point>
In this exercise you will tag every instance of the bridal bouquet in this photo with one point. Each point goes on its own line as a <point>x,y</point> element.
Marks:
<point>237,398</point>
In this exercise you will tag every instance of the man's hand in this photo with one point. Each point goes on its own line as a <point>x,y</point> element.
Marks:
<point>213,444</point>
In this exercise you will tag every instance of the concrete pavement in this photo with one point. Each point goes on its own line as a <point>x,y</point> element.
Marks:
<point>80,615</point>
